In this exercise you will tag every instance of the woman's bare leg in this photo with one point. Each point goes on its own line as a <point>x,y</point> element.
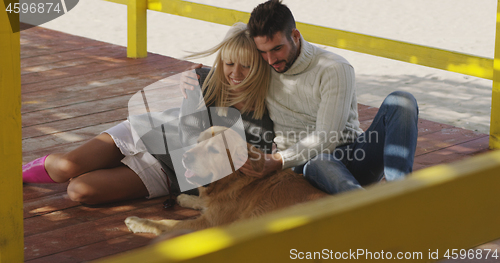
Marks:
<point>98,153</point>
<point>107,185</point>
<point>96,172</point>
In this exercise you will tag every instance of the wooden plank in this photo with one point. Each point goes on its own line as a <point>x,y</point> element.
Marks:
<point>62,138</point>
<point>71,71</point>
<point>120,244</point>
<point>427,127</point>
<point>66,96</point>
<point>366,112</point>
<point>445,145</point>
<point>75,110</point>
<point>47,204</point>
<point>74,236</point>
<point>55,47</point>
<point>94,231</point>
<point>46,99</point>
<point>84,109</point>
<point>33,191</point>
<point>452,154</point>
<point>97,250</point>
<point>60,218</point>
<point>96,52</point>
<point>75,123</point>
<point>114,56</point>
<point>152,63</point>
<point>41,35</point>
<point>11,227</point>
<point>39,41</point>
<point>444,139</point>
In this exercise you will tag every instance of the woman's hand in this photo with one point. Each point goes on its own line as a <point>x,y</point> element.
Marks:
<point>189,79</point>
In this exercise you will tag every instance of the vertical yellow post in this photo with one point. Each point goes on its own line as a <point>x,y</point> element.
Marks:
<point>11,187</point>
<point>137,29</point>
<point>495,96</point>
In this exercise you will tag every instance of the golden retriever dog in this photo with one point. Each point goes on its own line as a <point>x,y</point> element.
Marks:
<point>235,196</point>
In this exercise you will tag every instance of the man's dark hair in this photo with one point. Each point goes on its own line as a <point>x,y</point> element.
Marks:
<point>269,18</point>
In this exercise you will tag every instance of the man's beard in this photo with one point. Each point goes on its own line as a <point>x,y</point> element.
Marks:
<point>291,58</point>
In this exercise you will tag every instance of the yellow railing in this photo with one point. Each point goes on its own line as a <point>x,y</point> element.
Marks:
<point>417,54</point>
<point>11,187</point>
<point>495,96</point>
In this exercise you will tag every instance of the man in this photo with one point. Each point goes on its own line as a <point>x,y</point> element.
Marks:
<point>312,102</point>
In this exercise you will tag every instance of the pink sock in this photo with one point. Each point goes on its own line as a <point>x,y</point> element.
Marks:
<point>34,172</point>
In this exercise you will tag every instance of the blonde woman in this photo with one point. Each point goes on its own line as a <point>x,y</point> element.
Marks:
<point>108,168</point>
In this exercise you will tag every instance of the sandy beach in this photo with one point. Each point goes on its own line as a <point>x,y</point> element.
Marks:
<point>464,26</point>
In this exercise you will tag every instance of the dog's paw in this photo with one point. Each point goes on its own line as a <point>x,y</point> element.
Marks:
<point>190,201</point>
<point>140,225</point>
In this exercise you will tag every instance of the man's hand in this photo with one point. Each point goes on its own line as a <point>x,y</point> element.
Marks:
<point>189,79</point>
<point>272,162</point>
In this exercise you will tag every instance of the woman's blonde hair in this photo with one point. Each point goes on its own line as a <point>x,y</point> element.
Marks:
<point>237,47</point>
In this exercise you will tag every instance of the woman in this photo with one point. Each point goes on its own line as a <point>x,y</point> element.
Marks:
<point>104,170</point>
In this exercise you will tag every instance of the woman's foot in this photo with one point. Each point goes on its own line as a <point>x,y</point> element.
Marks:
<point>34,172</point>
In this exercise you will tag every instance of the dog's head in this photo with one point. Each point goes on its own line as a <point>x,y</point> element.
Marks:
<point>218,153</point>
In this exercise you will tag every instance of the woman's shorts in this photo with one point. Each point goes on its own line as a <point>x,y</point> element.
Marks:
<point>140,161</point>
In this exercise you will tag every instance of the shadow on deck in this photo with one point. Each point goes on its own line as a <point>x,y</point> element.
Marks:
<point>74,88</point>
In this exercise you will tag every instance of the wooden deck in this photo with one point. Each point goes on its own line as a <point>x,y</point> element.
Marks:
<point>72,89</point>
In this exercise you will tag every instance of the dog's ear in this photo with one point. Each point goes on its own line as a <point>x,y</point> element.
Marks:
<point>256,157</point>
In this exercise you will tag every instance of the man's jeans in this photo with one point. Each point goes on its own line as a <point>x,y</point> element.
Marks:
<point>386,148</point>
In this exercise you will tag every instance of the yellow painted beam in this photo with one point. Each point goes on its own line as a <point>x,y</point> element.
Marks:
<point>11,186</point>
<point>495,96</point>
<point>199,11</point>
<point>435,209</point>
<point>421,55</point>
<point>137,29</point>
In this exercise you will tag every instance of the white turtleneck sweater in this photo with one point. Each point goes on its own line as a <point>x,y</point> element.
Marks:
<point>313,105</point>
